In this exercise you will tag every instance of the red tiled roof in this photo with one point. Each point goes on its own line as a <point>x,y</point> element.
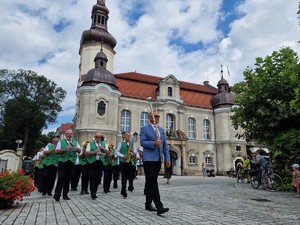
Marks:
<point>64,127</point>
<point>141,86</point>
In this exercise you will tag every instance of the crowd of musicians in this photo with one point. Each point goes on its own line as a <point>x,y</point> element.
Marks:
<point>66,161</point>
<point>92,161</point>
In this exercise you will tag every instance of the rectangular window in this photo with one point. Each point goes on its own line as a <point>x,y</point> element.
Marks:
<point>144,119</point>
<point>206,129</point>
<point>125,120</point>
<point>209,161</point>
<point>191,128</point>
<point>192,160</point>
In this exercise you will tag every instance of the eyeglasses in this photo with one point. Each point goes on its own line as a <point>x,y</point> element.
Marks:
<point>97,137</point>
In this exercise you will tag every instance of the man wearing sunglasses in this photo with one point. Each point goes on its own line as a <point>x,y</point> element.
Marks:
<point>155,151</point>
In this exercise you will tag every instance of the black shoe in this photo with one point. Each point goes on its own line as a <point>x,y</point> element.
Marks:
<point>44,193</point>
<point>86,192</point>
<point>82,193</point>
<point>150,208</point>
<point>56,198</point>
<point>49,194</point>
<point>124,195</point>
<point>130,189</point>
<point>94,196</point>
<point>66,198</point>
<point>162,210</point>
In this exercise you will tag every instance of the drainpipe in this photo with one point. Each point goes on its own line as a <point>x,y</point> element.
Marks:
<point>216,150</point>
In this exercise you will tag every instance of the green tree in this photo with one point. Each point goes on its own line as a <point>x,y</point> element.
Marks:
<point>267,110</point>
<point>30,102</point>
<point>265,97</point>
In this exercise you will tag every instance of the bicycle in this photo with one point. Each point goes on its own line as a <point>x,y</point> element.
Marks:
<point>269,180</point>
<point>241,175</point>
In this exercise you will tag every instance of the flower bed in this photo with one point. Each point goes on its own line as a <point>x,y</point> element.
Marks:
<point>14,186</point>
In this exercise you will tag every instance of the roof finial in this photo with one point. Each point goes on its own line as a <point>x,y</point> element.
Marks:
<point>101,44</point>
<point>221,71</point>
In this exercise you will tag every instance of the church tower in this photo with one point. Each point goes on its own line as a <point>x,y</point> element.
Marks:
<point>91,40</point>
<point>226,141</point>
<point>97,93</point>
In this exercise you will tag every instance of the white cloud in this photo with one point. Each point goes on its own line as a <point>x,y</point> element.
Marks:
<point>27,36</point>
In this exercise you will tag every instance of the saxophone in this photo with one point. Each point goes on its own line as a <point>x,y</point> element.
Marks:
<point>129,153</point>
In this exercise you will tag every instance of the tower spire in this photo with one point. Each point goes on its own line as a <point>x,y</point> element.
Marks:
<point>221,71</point>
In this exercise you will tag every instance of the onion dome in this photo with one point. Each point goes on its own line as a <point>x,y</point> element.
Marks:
<point>100,74</point>
<point>224,97</point>
<point>98,31</point>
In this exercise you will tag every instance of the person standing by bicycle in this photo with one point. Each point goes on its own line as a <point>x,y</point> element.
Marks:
<point>260,161</point>
<point>296,179</point>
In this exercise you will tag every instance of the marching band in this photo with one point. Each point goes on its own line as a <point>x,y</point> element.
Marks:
<point>58,160</point>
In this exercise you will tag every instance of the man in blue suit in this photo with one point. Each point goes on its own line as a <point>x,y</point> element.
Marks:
<point>155,151</point>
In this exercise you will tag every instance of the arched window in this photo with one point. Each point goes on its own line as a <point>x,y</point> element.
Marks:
<point>170,122</point>
<point>208,160</point>
<point>192,160</point>
<point>125,120</point>
<point>144,119</point>
<point>170,92</point>
<point>206,129</point>
<point>193,157</point>
<point>101,108</point>
<point>191,128</point>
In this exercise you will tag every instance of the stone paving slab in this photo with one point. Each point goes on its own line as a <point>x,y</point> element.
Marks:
<point>191,199</point>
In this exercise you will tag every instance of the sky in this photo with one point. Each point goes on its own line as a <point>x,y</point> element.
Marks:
<point>190,39</point>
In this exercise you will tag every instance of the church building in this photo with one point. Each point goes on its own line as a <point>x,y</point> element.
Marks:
<point>196,117</point>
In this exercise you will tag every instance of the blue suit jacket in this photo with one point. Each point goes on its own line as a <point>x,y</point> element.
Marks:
<point>151,152</point>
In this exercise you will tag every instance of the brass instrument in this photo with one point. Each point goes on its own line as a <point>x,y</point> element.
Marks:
<point>84,144</point>
<point>111,153</point>
<point>129,153</point>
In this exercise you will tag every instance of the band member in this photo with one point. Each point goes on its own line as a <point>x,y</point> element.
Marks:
<point>75,175</point>
<point>116,166</point>
<point>49,164</point>
<point>84,171</point>
<point>107,160</point>
<point>94,150</point>
<point>133,169</point>
<point>155,151</point>
<point>66,150</point>
<point>126,150</point>
<point>38,172</point>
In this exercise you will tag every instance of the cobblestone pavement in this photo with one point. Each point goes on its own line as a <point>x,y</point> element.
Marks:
<point>191,199</point>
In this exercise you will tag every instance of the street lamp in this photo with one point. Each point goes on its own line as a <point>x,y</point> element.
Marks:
<point>135,135</point>
<point>19,142</point>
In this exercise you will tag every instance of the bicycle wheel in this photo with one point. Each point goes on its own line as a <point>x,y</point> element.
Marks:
<point>272,182</point>
<point>254,182</point>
